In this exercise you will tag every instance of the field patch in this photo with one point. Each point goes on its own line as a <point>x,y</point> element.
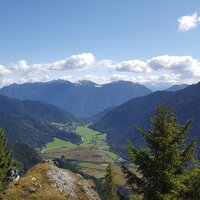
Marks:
<point>92,138</point>
<point>59,143</point>
<point>78,154</point>
<point>93,148</point>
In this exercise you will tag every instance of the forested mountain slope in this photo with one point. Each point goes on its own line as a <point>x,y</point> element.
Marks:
<point>119,123</point>
<point>29,122</point>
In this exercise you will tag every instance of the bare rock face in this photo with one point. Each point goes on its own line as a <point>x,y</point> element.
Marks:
<point>62,181</point>
<point>69,184</point>
<point>53,162</point>
<point>46,181</point>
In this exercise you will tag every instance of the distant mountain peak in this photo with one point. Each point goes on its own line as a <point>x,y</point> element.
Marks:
<point>83,98</point>
<point>86,83</point>
<point>176,87</point>
<point>123,82</point>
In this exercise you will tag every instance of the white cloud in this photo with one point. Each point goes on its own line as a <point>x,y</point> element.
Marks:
<point>136,66</point>
<point>79,61</point>
<point>68,78</point>
<point>4,71</point>
<point>6,82</point>
<point>116,77</point>
<point>170,78</point>
<point>22,66</point>
<point>158,69</point>
<point>183,65</point>
<point>106,64</point>
<point>46,78</point>
<point>188,22</point>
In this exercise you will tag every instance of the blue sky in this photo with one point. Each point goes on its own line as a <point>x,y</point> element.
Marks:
<point>145,41</point>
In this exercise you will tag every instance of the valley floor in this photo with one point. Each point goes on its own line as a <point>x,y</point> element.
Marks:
<point>89,158</point>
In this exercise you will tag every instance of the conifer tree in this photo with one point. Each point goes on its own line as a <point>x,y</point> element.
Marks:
<point>192,183</point>
<point>5,159</point>
<point>110,191</point>
<point>163,166</point>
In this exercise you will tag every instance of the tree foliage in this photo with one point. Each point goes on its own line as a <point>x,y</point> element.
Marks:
<point>192,182</point>
<point>165,165</point>
<point>24,157</point>
<point>5,159</point>
<point>110,191</point>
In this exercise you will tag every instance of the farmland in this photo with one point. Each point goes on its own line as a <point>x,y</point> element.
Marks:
<point>59,143</point>
<point>90,157</point>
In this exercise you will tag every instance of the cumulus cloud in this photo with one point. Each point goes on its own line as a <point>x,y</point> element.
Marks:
<point>22,65</point>
<point>158,69</point>
<point>4,71</point>
<point>6,82</point>
<point>188,22</point>
<point>182,65</point>
<point>170,78</point>
<point>46,78</point>
<point>106,64</point>
<point>79,61</point>
<point>136,66</point>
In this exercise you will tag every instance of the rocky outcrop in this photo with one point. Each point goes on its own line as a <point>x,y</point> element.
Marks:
<point>46,181</point>
<point>12,175</point>
<point>69,184</point>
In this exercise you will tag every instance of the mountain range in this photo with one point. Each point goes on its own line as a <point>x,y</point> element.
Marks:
<point>82,99</point>
<point>119,122</point>
<point>29,122</point>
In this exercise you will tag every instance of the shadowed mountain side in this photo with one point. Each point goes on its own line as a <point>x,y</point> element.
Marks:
<point>37,109</point>
<point>28,122</point>
<point>119,123</point>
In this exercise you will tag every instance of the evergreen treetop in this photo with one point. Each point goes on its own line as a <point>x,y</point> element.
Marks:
<point>110,191</point>
<point>163,166</point>
<point>5,159</point>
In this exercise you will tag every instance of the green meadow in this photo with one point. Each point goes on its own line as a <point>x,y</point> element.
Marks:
<point>59,143</point>
<point>90,139</point>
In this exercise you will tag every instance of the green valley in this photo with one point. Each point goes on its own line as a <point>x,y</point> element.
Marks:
<point>90,157</point>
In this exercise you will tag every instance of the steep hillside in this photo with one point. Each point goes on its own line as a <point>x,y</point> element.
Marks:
<point>82,99</point>
<point>28,122</point>
<point>119,122</point>
<point>35,109</point>
<point>24,157</point>
<point>47,182</point>
<point>174,88</point>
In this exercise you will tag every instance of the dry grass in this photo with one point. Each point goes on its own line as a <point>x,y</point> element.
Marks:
<point>79,154</point>
<point>37,186</point>
<point>36,179</point>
